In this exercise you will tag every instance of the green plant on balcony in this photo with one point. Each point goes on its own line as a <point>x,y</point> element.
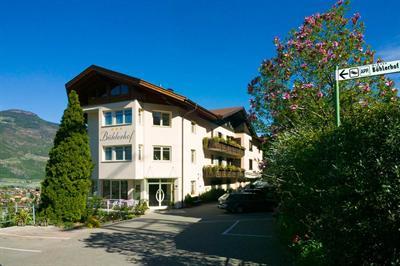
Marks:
<point>221,140</point>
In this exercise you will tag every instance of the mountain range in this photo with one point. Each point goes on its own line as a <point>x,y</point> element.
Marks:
<point>25,141</point>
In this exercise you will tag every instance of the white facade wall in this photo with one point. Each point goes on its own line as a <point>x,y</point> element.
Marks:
<point>142,132</point>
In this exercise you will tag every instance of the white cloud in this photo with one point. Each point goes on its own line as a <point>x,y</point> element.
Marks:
<point>390,53</point>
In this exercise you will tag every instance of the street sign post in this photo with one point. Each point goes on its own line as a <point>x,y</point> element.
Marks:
<point>362,72</point>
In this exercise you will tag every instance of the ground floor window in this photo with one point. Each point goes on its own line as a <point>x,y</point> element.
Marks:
<point>115,189</point>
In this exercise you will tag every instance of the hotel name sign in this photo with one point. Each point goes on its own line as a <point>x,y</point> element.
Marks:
<point>115,134</point>
<point>368,70</point>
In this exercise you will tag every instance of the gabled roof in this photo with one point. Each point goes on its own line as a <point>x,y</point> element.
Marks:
<point>83,81</point>
<point>74,85</point>
<point>225,112</point>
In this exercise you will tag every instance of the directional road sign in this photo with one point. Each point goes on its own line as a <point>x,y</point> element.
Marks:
<point>368,70</point>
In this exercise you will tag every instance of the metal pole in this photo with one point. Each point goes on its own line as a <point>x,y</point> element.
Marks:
<point>337,98</point>
<point>33,212</point>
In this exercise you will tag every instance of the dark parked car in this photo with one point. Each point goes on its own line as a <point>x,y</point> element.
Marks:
<point>248,200</point>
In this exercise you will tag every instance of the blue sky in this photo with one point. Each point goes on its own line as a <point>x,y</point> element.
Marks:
<point>205,50</point>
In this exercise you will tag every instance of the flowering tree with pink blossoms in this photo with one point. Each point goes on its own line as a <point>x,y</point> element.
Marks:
<point>297,86</point>
<point>338,187</point>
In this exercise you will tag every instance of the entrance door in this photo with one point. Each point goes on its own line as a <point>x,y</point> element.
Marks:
<point>153,188</point>
<point>160,193</point>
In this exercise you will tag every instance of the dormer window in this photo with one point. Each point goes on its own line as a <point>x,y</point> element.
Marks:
<point>119,90</point>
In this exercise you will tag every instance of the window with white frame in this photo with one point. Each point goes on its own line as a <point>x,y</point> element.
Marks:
<point>193,156</point>
<point>161,153</point>
<point>115,189</point>
<point>119,117</point>
<point>162,119</point>
<point>118,153</point>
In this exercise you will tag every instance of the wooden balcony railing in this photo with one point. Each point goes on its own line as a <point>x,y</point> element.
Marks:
<point>222,146</point>
<point>216,172</point>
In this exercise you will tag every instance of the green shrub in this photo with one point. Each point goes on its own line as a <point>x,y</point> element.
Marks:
<point>92,222</point>
<point>22,217</point>
<point>212,195</point>
<point>140,208</point>
<point>340,187</point>
<point>188,200</point>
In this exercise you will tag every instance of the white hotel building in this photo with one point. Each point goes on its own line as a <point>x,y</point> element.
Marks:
<point>150,143</point>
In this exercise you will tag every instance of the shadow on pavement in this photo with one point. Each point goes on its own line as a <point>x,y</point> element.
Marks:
<point>179,242</point>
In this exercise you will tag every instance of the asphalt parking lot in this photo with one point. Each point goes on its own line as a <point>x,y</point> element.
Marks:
<point>201,235</point>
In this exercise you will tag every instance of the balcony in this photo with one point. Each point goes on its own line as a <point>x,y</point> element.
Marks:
<point>226,147</point>
<point>214,171</point>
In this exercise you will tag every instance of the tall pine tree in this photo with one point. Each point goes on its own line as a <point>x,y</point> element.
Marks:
<point>68,170</point>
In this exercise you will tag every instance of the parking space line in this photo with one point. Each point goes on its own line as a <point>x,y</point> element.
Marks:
<point>230,228</point>
<point>36,237</point>
<point>23,250</point>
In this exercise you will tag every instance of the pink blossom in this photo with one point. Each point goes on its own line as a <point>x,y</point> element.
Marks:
<point>286,96</point>
<point>335,44</point>
<point>307,86</point>
<point>304,65</point>
<point>389,83</point>
<point>294,107</point>
<point>320,94</point>
<point>366,88</point>
<point>355,18</point>
<point>310,20</point>
<point>340,2</point>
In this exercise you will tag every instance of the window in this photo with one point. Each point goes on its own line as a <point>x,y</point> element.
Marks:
<point>120,117</point>
<point>108,153</point>
<point>250,164</point>
<point>193,124</point>
<point>212,159</point>
<point>118,153</point>
<point>220,161</point>
<point>128,153</point>
<point>106,189</point>
<point>119,90</point>
<point>157,153</point>
<point>128,116</point>
<point>219,135</point>
<point>115,189</point>
<point>193,187</point>
<point>108,118</point>
<point>250,145</point>
<point>161,119</point>
<point>140,151</point>
<point>124,189</point>
<point>193,156</point>
<point>161,153</point>
<point>166,153</point>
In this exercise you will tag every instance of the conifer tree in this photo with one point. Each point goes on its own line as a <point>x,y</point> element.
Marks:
<point>68,170</point>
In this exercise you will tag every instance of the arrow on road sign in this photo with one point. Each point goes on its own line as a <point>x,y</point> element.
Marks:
<point>343,74</point>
